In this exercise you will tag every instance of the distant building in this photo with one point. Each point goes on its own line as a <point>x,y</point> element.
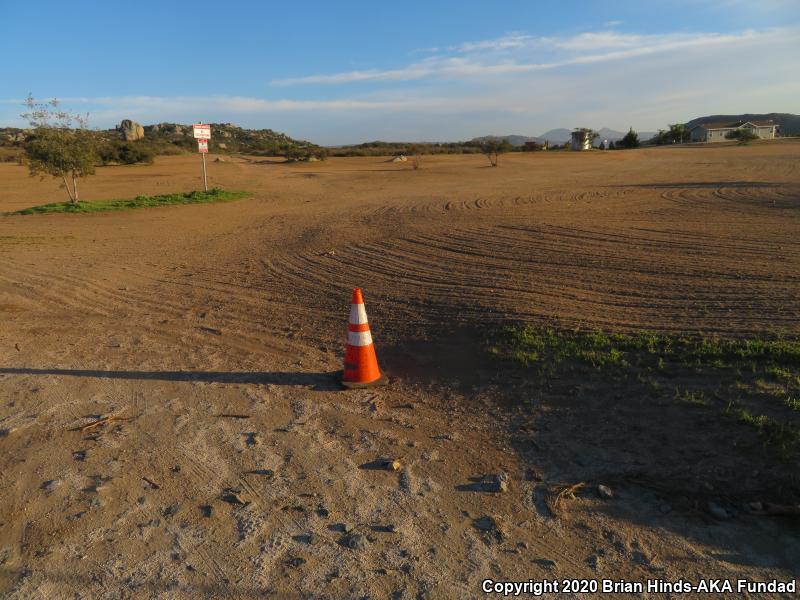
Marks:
<point>717,132</point>
<point>581,140</point>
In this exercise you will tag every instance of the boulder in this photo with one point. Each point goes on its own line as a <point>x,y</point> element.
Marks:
<point>130,130</point>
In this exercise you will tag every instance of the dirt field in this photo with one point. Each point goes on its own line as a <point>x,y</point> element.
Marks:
<point>175,318</point>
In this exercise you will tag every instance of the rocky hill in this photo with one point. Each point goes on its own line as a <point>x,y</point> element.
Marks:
<point>172,138</point>
<point>227,137</point>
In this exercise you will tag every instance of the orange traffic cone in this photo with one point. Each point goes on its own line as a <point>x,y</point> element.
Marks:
<point>360,363</point>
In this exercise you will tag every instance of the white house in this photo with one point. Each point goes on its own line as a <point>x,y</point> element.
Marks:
<point>717,132</point>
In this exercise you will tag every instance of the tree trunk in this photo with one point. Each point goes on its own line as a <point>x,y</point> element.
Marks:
<point>74,189</point>
<point>69,191</point>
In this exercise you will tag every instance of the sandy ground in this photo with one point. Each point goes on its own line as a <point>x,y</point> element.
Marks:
<point>236,468</point>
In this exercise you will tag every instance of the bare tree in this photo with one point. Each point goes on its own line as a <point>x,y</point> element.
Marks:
<point>415,154</point>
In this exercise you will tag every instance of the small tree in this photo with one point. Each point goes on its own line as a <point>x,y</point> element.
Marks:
<point>661,138</point>
<point>678,133</point>
<point>415,154</point>
<point>631,139</point>
<point>744,136</point>
<point>494,148</point>
<point>61,146</point>
<point>321,153</point>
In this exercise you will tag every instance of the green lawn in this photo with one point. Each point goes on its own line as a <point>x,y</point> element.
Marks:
<point>214,195</point>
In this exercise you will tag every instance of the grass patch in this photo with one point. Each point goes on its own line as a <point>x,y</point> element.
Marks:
<point>616,351</point>
<point>754,380</point>
<point>779,373</point>
<point>213,195</point>
<point>778,434</point>
<point>693,398</point>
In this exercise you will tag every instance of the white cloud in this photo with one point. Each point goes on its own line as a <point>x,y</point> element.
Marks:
<point>480,59</point>
<point>602,39</point>
<point>511,40</point>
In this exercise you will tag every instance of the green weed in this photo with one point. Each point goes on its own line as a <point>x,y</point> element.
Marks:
<point>213,195</point>
<point>695,398</point>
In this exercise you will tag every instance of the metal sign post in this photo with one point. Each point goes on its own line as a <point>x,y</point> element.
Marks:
<point>205,177</point>
<point>202,133</point>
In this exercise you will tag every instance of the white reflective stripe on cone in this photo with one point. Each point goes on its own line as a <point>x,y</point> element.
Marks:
<point>359,338</point>
<point>358,315</point>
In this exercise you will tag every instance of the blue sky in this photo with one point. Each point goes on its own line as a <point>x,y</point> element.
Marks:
<point>342,72</point>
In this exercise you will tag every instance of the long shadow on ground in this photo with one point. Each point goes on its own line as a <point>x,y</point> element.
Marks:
<point>319,381</point>
<point>155,585</point>
<point>670,440</point>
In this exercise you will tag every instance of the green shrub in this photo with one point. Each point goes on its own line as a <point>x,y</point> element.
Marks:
<point>742,135</point>
<point>125,153</point>
<point>131,153</point>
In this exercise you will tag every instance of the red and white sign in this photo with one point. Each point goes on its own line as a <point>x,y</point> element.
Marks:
<point>202,131</point>
<point>202,146</point>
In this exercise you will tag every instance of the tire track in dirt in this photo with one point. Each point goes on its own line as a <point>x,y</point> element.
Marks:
<point>176,302</point>
<point>735,198</point>
<point>501,272</point>
<point>496,272</point>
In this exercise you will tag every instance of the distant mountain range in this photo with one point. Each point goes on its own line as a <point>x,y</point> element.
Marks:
<point>789,126</point>
<point>562,135</point>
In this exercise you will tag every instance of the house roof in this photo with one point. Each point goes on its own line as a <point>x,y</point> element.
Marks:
<point>734,124</point>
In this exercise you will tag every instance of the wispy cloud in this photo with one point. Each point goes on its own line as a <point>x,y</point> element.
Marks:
<point>616,46</point>
<point>104,107</point>
<point>508,41</point>
<point>478,59</point>
<point>232,104</point>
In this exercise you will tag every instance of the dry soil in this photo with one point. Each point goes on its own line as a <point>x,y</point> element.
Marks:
<point>235,467</point>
